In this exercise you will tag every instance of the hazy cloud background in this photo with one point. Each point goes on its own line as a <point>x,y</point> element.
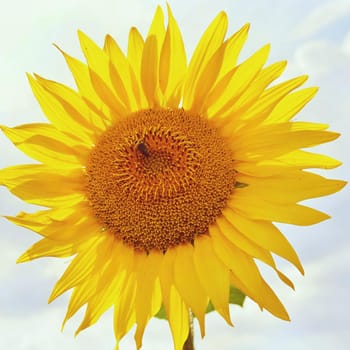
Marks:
<point>314,36</point>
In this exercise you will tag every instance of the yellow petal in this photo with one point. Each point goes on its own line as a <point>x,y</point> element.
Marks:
<point>262,168</point>
<point>265,298</point>
<point>47,247</point>
<point>178,319</point>
<point>303,159</point>
<point>109,285</point>
<point>188,284</point>
<point>34,221</point>
<point>150,59</point>
<point>124,308</point>
<point>57,112</point>
<point>241,242</point>
<point>99,303</point>
<point>81,74</point>
<point>84,264</point>
<point>149,72</point>
<point>213,275</point>
<point>93,122</point>
<point>99,70</point>
<point>148,296</point>
<point>274,140</point>
<point>80,296</point>
<point>234,46</point>
<point>245,275</point>
<point>39,220</point>
<point>282,165</point>
<point>177,312</point>
<point>291,187</point>
<point>290,105</point>
<point>135,49</point>
<point>157,28</point>
<point>249,247</point>
<point>46,144</point>
<point>266,235</point>
<point>42,185</point>
<point>63,224</point>
<point>210,41</point>
<point>67,236</point>
<point>242,265</point>
<point>103,277</point>
<point>272,303</point>
<point>215,69</point>
<point>270,98</point>
<point>253,92</point>
<point>257,208</point>
<point>224,97</point>
<point>207,78</point>
<point>122,75</point>
<point>172,66</point>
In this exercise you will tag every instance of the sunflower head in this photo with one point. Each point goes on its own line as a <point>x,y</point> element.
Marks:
<point>159,178</point>
<point>164,177</point>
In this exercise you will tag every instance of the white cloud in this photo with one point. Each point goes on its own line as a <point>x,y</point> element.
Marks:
<point>322,16</point>
<point>346,44</point>
<point>321,57</point>
<point>27,323</point>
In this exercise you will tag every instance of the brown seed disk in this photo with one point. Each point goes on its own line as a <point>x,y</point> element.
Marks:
<point>159,178</point>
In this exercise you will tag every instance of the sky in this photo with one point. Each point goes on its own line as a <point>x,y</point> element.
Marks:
<point>314,36</point>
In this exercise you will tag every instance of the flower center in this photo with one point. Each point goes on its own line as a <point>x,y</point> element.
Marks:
<point>159,178</point>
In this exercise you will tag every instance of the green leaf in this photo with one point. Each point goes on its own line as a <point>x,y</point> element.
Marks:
<point>236,297</point>
<point>161,314</point>
<point>240,184</point>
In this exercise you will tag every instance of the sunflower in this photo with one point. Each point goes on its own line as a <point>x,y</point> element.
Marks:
<point>163,178</point>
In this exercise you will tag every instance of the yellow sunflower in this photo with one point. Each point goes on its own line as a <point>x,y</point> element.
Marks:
<point>163,178</point>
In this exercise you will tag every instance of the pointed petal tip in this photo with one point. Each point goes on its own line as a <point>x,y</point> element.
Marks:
<point>284,63</point>
<point>282,314</point>
<point>229,321</point>
<point>314,90</point>
<point>66,318</point>
<point>58,48</point>
<point>29,76</point>
<point>287,318</point>
<point>23,258</point>
<point>344,183</point>
<point>225,313</point>
<point>335,164</point>
<point>138,341</point>
<point>341,183</point>
<point>202,330</point>
<point>300,269</point>
<point>267,47</point>
<point>222,17</point>
<point>108,38</point>
<point>80,328</point>
<point>169,9</point>
<point>304,78</point>
<point>245,27</point>
<point>325,217</point>
<point>52,297</point>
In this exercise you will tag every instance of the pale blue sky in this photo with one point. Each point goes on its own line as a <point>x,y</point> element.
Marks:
<point>314,36</point>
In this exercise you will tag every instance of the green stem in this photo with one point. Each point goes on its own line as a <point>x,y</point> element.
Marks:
<point>189,345</point>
